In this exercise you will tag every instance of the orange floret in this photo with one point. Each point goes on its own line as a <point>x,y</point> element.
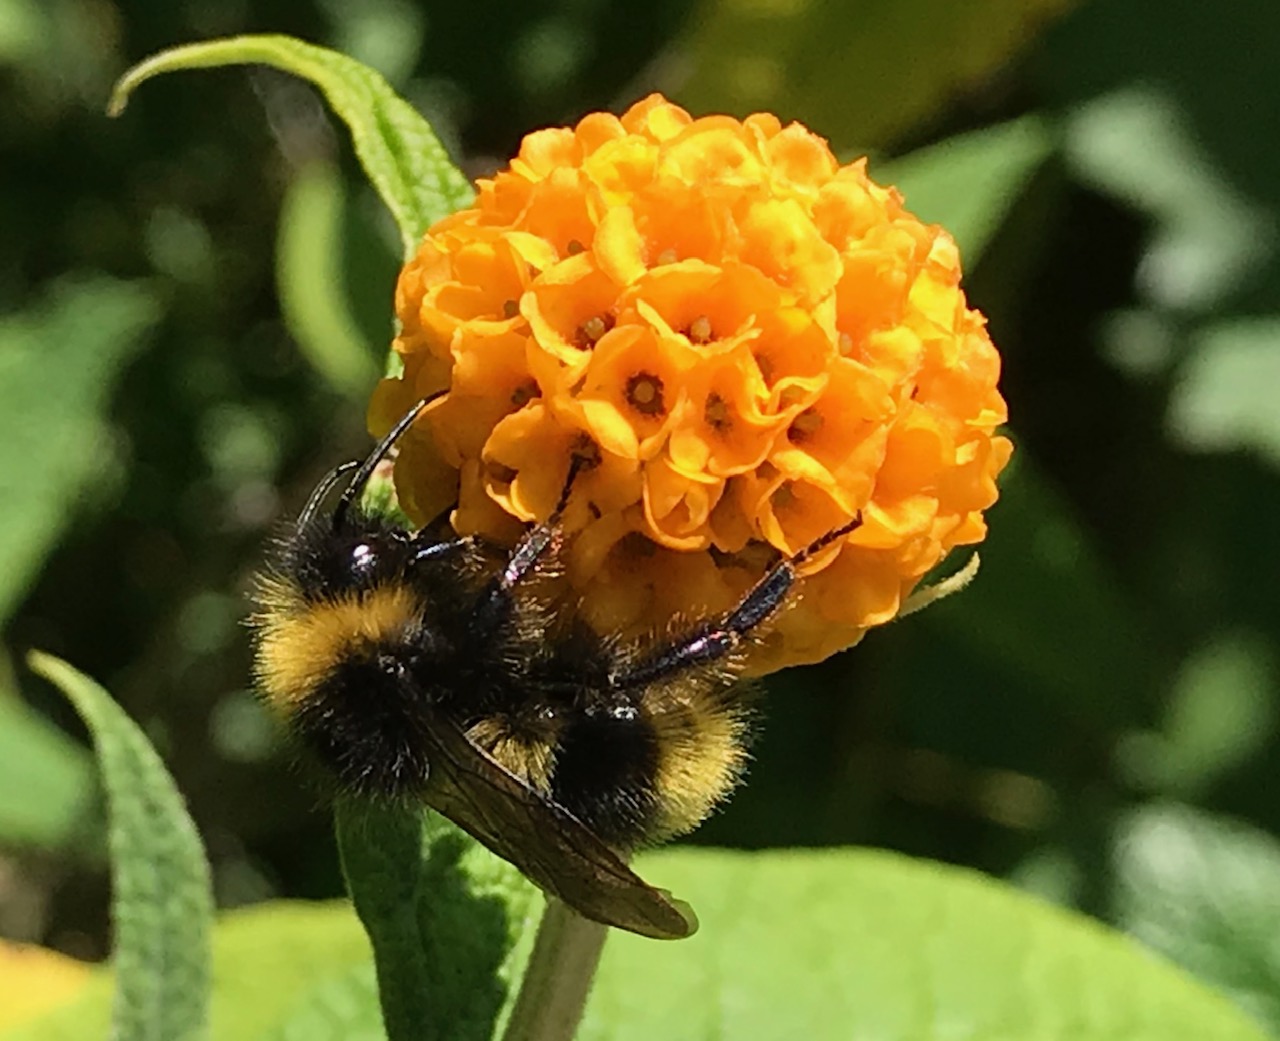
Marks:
<point>753,343</point>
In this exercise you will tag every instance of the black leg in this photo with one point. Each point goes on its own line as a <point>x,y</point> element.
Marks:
<point>714,640</point>
<point>540,538</point>
<point>494,605</point>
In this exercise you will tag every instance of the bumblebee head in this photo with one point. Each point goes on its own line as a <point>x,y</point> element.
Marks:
<point>346,651</point>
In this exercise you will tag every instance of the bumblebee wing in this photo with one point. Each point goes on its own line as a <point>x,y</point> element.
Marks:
<point>545,841</point>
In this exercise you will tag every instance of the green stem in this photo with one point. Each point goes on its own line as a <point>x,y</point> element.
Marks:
<point>558,977</point>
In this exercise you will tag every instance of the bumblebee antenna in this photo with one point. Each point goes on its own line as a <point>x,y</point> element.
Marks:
<point>353,490</point>
<point>325,486</point>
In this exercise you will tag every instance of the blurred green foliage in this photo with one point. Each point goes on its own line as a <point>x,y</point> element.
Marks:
<point>1116,188</point>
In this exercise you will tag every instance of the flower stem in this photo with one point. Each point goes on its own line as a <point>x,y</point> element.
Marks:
<point>558,978</point>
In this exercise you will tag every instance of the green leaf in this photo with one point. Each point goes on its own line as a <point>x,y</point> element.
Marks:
<point>970,182</point>
<point>311,285</point>
<point>162,902</point>
<point>285,962</point>
<point>451,924</point>
<point>1205,891</point>
<point>284,970</point>
<point>856,944</point>
<point>1225,395</point>
<point>47,783</point>
<point>397,147</point>
<point>858,75</point>
<point>58,365</point>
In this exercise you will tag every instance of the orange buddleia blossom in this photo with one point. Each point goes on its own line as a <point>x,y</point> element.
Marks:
<point>751,343</point>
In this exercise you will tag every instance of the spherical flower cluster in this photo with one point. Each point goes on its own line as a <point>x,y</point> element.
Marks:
<point>748,345</point>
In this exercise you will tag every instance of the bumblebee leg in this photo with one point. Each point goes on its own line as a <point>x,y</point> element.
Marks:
<point>713,641</point>
<point>539,539</point>
<point>430,551</point>
<point>495,605</point>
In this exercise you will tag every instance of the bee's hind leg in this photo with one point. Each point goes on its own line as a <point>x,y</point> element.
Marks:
<point>715,640</point>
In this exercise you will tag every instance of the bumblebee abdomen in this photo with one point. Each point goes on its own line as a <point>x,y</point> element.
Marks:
<point>605,766</point>
<point>643,770</point>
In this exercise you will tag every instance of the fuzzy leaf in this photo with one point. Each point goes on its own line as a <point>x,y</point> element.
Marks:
<point>162,902</point>
<point>400,152</point>
<point>870,946</point>
<point>451,924</point>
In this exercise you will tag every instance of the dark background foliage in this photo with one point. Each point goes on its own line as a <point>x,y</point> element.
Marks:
<point>161,409</point>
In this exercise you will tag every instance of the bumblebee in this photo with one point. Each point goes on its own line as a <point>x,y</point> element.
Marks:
<point>419,664</point>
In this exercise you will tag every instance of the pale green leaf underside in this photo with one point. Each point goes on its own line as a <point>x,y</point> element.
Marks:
<point>397,147</point>
<point>870,946</point>
<point>162,903</point>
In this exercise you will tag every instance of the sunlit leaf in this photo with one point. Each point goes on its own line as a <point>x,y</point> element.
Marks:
<point>47,784</point>
<point>309,276</point>
<point>162,902</point>
<point>860,945</point>
<point>284,970</point>
<point>397,147</point>
<point>34,980</point>
<point>451,924</point>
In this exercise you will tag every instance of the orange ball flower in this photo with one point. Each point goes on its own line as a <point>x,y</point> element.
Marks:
<point>754,345</point>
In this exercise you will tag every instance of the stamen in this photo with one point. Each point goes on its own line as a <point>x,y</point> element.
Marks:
<point>590,331</point>
<point>644,394</point>
<point>716,413</point>
<point>700,330</point>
